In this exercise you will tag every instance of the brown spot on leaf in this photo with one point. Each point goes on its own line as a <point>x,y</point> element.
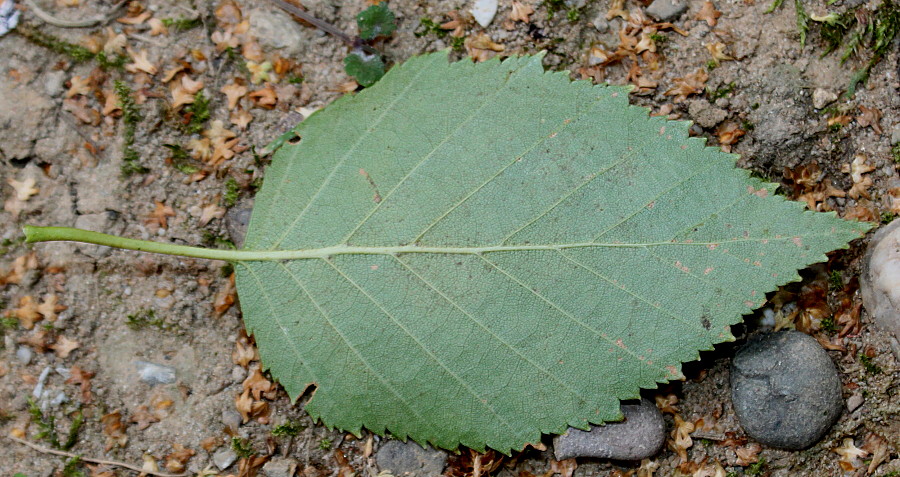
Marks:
<point>377,197</point>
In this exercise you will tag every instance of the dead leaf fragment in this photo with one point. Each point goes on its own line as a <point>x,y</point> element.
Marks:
<point>709,14</point>
<point>27,312</point>
<point>209,212</point>
<point>264,97</point>
<point>21,265</point>
<point>850,455</point>
<point>521,12</point>
<point>64,346</point>
<point>870,117</point>
<point>688,85</point>
<point>481,48</point>
<point>234,92</point>
<point>157,27</point>
<point>82,378</point>
<point>143,417</point>
<point>717,51</point>
<point>140,63</point>
<point>177,460</point>
<point>258,385</point>
<point>114,430</point>
<point>79,86</point>
<point>244,352</point>
<point>240,118</point>
<point>49,307</point>
<point>225,297</point>
<point>160,215</point>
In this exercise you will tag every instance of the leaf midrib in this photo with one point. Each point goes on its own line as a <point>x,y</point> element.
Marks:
<point>328,252</point>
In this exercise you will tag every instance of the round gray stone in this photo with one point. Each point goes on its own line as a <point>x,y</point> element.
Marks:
<point>408,459</point>
<point>879,279</point>
<point>667,10</point>
<point>640,435</point>
<point>785,390</point>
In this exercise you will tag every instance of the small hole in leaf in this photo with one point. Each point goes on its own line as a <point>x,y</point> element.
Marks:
<point>294,140</point>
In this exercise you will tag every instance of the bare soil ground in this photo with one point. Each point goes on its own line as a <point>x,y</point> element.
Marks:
<point>76,318</point>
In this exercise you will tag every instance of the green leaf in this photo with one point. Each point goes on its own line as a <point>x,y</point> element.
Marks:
<point>377,20</point>
<point>480,253</point>
<point>366,68</point>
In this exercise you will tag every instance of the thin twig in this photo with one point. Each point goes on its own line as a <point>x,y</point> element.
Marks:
<point>135,468</point>
<point>324,26</point>
<point>48,18</point>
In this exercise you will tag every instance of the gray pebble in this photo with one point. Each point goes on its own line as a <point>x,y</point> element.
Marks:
<point>822,97</point>
<point>785,390</point>
<point>236,220</point>
<point>153,374</point>
<point>53,82</point>
<point>878,282</point>
<point>24,355</point>
<point>641,435</point>
<point>667,10</point>
<point>280,467</point>
<point>223,458</point>
<point>854,402</point>
<point>276,29</point>
<point>600,22</point>
<point>408,459</point>
<point>231,419</point>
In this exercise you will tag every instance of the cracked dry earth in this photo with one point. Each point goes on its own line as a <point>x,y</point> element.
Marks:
<point>79,320</point>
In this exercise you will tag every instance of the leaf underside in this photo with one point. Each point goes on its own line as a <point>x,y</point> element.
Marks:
<point>574,251</point>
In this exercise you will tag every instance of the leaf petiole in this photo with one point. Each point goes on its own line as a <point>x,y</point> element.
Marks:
<point>57,234</point>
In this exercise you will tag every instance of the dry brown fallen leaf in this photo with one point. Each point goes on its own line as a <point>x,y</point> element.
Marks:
<point>521,12</point>
<point>114,430</point>
<point>264,97</point>
<point>78,85</point>
<point>850,455</point>
<point>39,340</point>
<point>717,51</point>
<point>27,312</point>
<point>688,85</point>
<point>728,134</point>
<point>870,117</point>
<point>111,103</point>
<point>878,448</point>
<point>225,297</point>
<point>258,385</point>
<point>177,460</point>
<point>21,265</point>
<point>140,63</point>
<point>481,48</point>
<point>157,27</point>
<point>233,92</point>
<point>680,440</point>
<point>142,417</point>
<point>81,110</point>
<point>64,346</point>
<point>240,118</point>
<point>160,215</point>
<point>210,212</point>
<point>249,408</point>
<point>244,353</point>
<point>83,379</point>
<point>709,14</point>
